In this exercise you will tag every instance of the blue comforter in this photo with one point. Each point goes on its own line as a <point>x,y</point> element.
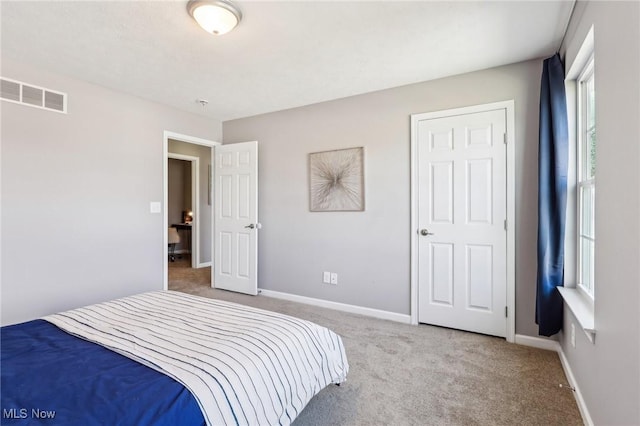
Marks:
<point>50,377</point>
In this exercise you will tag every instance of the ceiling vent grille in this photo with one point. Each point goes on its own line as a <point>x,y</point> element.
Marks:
<point>30,95</point>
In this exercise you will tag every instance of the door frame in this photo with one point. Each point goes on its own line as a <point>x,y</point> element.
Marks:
<point>165,189</point>
<point>195,195</point>
<point>509,108</point>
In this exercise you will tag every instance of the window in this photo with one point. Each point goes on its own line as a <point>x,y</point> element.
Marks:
<point>586,179</point>
<point>580,242</point>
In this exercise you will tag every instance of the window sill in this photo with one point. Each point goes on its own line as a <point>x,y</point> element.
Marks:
<point>581,308</point>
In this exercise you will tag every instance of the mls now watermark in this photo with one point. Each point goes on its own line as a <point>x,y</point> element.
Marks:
<point>24,413</point>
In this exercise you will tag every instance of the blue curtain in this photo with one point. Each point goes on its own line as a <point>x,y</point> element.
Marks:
<point>552,196</point>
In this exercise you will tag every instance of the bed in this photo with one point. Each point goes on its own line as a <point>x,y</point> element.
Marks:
<point>166,358</point>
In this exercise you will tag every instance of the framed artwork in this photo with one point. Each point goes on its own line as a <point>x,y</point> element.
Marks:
<point>336,180</point>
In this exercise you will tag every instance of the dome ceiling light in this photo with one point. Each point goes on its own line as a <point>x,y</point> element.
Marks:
<point>215,16</point>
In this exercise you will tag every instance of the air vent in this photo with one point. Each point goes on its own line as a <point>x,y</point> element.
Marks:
<point>10,90</point>
<point>30,95</point>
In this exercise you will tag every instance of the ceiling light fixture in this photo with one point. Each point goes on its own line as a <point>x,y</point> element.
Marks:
<point>215,16</point>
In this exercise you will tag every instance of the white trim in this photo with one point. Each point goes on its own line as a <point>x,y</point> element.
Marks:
<point>182,157</point>
<point>212,172</point>
<point>509,107</point>
<point>537,342</point>
<point>582,405</point>
<point>582,181</point>
<point>413,167</point>
<point>571,228</point>
<point>370,312</point>
<point>165,151</point>
<point>579,300</point>
<point>583,56</point>
<point>511,219</point>
<point>189,139</point>
<point>195,200</point>
<point>581,59</point>
<point>203,265</point>
<point>581,306</point>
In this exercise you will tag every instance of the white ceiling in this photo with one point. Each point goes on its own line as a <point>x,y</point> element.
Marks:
<point>283,54</point>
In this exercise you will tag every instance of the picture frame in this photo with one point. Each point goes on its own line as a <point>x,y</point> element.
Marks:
<point>336,180</point>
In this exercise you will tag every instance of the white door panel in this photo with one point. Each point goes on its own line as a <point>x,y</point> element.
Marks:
<point>462,209</point>
<point>236,217</point>
<point>441,275</point>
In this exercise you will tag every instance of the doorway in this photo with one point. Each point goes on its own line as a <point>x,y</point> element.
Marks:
<point>183,206</point>
<point>199,152</point>
<point>463,263</point>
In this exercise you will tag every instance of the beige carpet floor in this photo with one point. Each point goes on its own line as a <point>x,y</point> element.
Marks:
<point>418,375</point>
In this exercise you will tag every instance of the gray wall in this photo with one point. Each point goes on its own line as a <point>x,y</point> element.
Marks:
<point>371,250</point>
<point>608,372</point>
<point>205,231</point>
<point>76,187</point>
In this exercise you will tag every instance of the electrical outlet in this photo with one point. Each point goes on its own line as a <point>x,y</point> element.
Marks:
<point>326,277</point>
<point>573,335</point>
<point>334,278</point>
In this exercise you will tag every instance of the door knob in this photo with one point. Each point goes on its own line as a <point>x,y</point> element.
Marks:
<point>254,225</point>
<point>424,232</point>
<point>250,226</point>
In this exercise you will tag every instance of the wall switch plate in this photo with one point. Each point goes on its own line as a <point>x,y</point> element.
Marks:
<point>573,335</point>
<point>334,278</point>
<point>326,277</point>
<point>155,207</point>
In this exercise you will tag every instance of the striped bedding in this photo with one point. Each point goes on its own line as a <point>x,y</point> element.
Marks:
<point>244,366</point>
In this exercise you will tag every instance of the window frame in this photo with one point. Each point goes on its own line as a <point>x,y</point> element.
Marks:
<point>583,178</point>
<point>576,299</point>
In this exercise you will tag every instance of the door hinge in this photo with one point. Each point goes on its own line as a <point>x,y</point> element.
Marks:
<point>504,137</point>
<point>506,311</point>
<point>505,224</point>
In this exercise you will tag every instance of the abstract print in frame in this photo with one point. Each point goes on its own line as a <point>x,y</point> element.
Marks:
<point>336,180</point>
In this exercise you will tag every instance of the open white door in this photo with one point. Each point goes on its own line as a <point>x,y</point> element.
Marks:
<point>236,217</point>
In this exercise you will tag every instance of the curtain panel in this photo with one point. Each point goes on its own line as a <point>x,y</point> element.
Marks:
<point>552,196</point>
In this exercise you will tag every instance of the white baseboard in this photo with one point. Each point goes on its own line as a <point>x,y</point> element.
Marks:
<point>553,345</point>
<point>537,342</point>
<point>376,313</point>
<point>582,406</point>
<point>203,265</point>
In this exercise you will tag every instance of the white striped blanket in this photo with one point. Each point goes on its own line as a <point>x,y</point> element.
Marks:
<point>245,366</point>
